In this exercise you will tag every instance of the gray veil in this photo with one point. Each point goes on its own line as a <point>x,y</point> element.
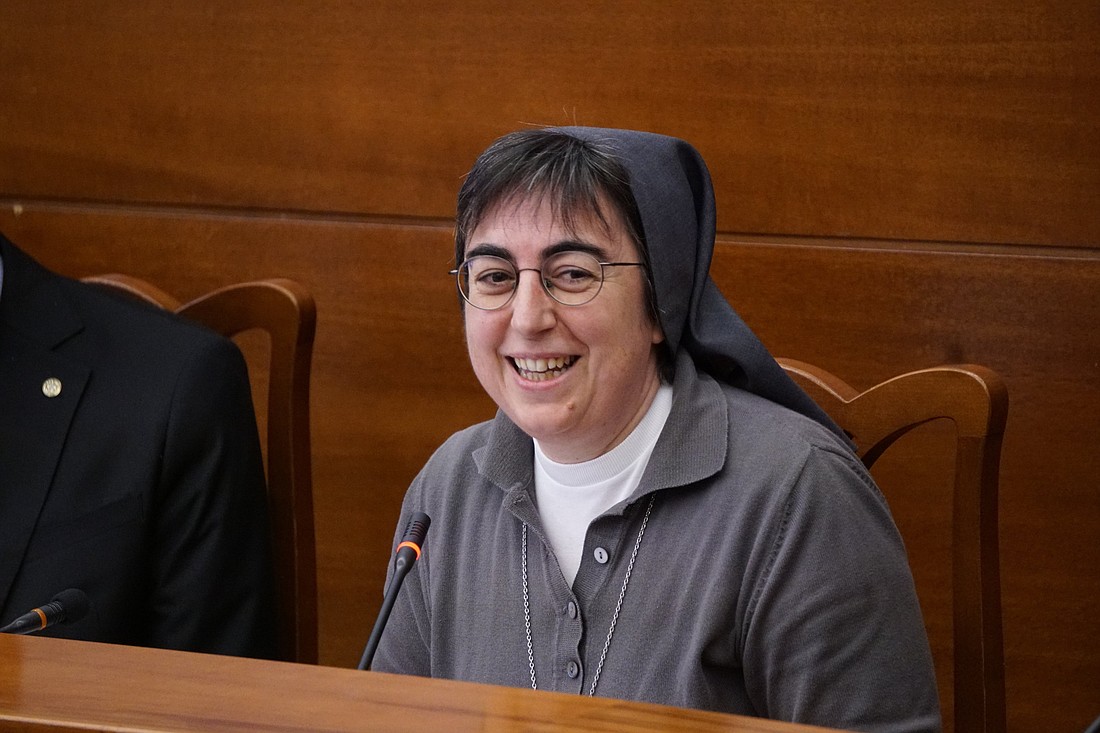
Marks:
<point>672,187</point>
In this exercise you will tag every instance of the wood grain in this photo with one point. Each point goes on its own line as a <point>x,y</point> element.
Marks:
<point>57,685</point>
<point>925,120</point>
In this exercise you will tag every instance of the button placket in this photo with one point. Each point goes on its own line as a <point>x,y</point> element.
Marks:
<point>572,667</point>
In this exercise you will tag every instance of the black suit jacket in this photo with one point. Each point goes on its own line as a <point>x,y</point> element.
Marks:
<point>140,482</point>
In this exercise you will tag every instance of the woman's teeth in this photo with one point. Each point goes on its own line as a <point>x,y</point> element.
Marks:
<point>538,370</point>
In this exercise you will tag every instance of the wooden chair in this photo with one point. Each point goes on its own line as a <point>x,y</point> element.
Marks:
<point>287,313</point>
<point>975,399</point>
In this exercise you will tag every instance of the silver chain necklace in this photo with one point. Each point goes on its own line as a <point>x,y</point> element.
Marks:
<point>614,617</point>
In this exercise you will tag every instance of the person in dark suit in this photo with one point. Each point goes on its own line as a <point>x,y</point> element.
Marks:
<point>130,469</point>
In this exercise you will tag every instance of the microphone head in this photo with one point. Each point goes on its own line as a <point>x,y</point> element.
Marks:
<point>74,603</point>
<point>417,528</point>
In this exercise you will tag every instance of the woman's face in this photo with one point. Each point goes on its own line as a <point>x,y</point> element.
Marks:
<point>576,378</point>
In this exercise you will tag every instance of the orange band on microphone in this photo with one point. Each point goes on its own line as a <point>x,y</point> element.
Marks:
<point>41,618</point>
<point>416,548</point>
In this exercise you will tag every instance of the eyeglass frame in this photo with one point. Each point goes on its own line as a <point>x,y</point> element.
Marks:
<point>542,279</point>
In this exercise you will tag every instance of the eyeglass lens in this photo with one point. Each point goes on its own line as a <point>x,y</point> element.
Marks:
<point>571,278</point>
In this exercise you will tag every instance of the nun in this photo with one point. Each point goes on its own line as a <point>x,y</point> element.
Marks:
<point>656,512</point>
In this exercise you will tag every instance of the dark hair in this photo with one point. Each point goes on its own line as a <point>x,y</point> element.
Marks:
<point>571,174</point>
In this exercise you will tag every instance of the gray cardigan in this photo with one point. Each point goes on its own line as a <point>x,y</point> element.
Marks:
<point>771,580</point>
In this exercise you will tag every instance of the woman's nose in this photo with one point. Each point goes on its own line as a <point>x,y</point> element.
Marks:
<point>532,306</point>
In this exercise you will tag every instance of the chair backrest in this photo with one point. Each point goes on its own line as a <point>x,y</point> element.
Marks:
<point>286,312</point>
<point>975,399</point>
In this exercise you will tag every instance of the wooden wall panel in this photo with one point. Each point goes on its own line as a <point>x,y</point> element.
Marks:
<point>898,186</point>
<point>923,120</point>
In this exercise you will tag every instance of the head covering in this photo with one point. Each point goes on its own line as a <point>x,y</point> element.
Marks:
<point>674,194</point>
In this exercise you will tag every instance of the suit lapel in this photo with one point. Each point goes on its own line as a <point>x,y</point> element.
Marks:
<point>39,392</point>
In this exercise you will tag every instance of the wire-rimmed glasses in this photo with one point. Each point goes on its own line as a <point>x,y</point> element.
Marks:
<point>488,282</point>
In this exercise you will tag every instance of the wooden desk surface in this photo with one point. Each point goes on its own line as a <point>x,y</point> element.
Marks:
<point>51,684</point>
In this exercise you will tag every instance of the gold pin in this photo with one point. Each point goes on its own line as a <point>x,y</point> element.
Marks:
<point>51,387</point>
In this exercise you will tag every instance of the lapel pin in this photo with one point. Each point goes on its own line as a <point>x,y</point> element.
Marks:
<point>51,387</point>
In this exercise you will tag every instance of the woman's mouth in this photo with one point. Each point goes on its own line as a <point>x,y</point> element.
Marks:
<point>539,370</point>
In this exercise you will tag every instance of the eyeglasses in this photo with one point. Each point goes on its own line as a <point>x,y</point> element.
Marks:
<point>488,282</point>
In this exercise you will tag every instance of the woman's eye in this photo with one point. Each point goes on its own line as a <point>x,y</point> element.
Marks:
<point>572,277</point>
<point>495,278</point>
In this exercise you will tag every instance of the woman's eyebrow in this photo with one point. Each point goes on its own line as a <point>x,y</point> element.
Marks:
<point>565,245</point>
<point>572,245</point>
<point>487,248</point>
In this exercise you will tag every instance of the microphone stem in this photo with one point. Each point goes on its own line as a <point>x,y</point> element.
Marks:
<point>400,570</point>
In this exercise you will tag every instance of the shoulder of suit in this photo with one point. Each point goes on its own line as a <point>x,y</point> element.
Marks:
<point>117,311</point>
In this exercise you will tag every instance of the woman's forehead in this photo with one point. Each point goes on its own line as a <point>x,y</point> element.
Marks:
<point>547,211</point>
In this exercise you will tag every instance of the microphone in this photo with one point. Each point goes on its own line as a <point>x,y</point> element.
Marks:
<point>408,552</point>
<point>67,606</point>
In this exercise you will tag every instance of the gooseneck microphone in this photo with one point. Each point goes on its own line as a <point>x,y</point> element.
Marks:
<point>408,552</point>
<point>67,606</point>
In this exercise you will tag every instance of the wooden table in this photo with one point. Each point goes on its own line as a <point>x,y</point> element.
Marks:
<point>53,684</point>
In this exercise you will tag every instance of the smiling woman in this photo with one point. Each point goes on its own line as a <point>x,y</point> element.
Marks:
<point>640,419</point>
<point>605,346</point>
